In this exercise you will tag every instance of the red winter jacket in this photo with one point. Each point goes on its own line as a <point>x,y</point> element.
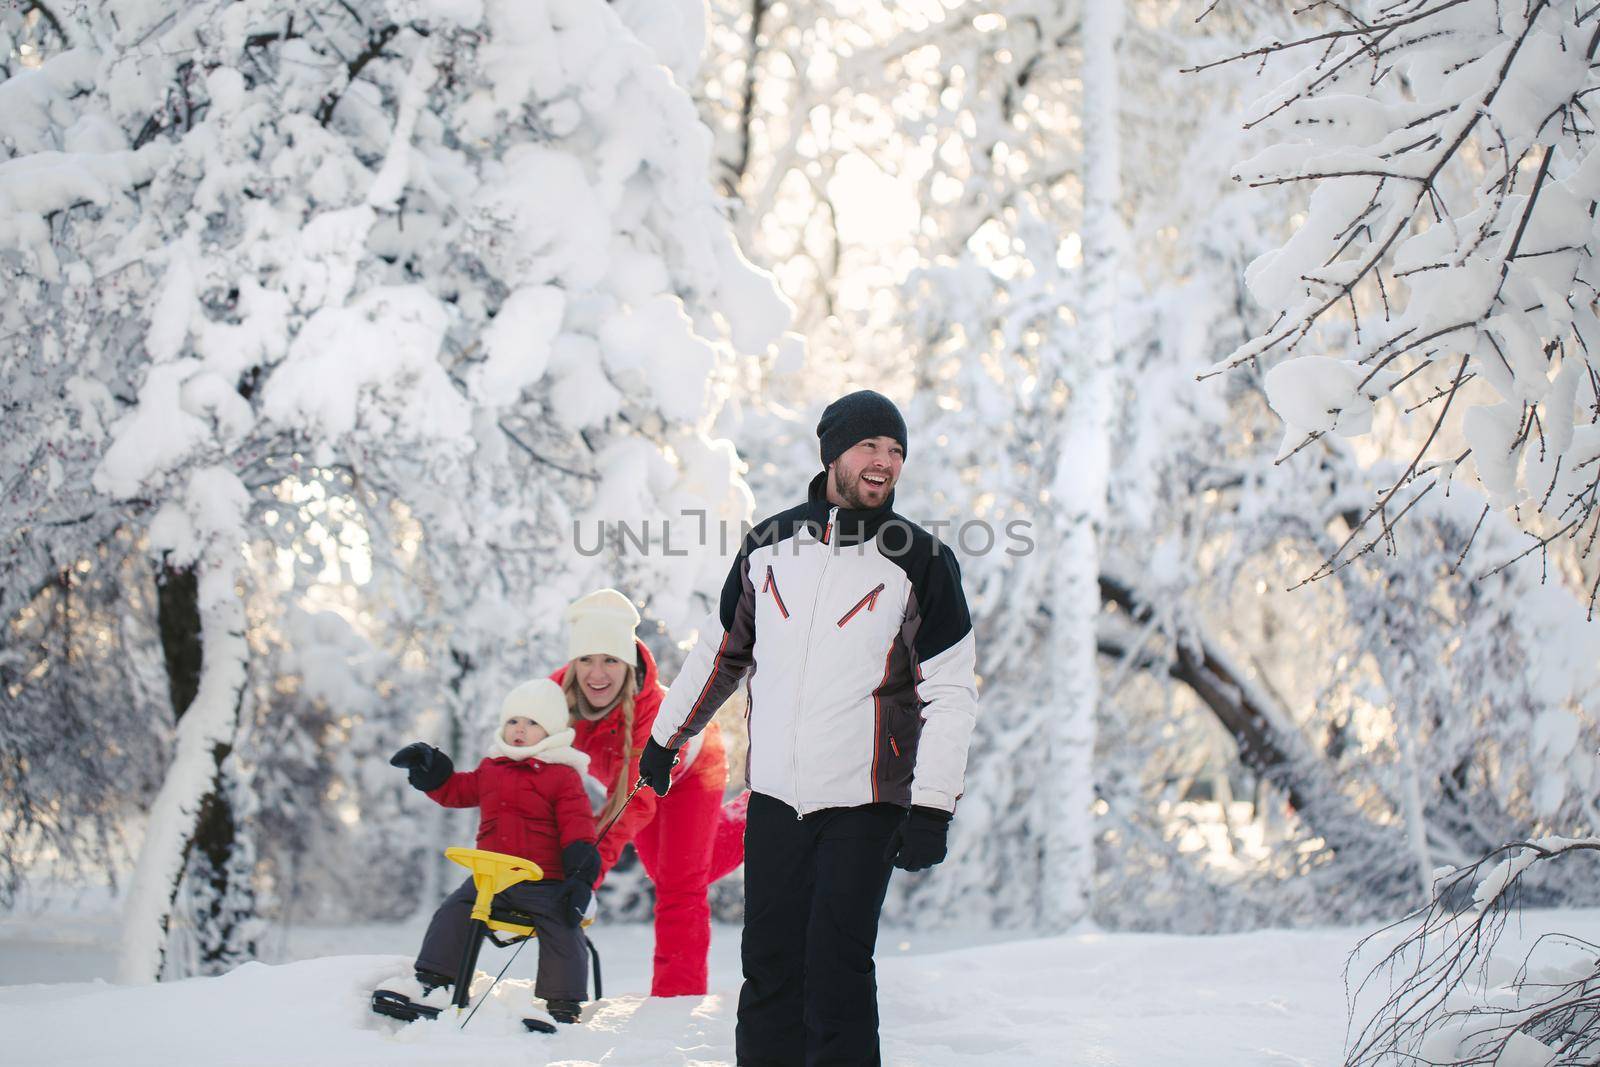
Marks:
<point>602,740</point>
<point>528,808</point>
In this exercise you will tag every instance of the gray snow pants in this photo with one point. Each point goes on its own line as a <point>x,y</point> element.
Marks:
<point>563,959</point>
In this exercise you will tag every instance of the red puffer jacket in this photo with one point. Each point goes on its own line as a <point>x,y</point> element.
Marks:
<point>602,740</point>
<point>528,808</point>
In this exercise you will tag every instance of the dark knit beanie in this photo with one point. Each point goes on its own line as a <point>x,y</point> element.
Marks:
<point>856,417</point>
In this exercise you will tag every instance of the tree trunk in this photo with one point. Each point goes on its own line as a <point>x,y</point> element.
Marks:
<point>212,903</point>
<point>202,636</point>
<point>1412,808</point>
<point>1269,745</point>
<point>178,614</point>
<point>1078,491</point>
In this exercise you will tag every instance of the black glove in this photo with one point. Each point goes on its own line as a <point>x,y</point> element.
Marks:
<point>655,766</point>
<point>581,862</point>
<point>426,767</point>
<point>918,843</point>
<point>575,897</point>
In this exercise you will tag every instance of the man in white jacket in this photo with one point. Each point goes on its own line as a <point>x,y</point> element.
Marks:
<point>853,629</point>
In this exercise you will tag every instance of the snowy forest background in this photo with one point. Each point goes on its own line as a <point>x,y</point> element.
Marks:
<point>340,337</point>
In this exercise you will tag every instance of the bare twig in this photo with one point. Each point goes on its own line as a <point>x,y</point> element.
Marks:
<point>1437,980</point>
<point>376,42</point>
<point>1331,35</point>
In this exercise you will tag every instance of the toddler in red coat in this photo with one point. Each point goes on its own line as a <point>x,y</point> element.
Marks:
<point>531,801</point>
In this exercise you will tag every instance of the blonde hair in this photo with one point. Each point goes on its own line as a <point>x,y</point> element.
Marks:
<point>578,704</point>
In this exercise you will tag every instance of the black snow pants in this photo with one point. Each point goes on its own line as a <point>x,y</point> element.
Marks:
<point>813,888</point>
<point>563,958</point>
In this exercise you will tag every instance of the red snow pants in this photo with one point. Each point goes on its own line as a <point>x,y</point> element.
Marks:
<point>689,844</point>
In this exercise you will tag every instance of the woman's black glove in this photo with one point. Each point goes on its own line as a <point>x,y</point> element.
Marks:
<point>655,766</point>
<point>919,842</point>
<point>426,767</point>
<point>581,862</point>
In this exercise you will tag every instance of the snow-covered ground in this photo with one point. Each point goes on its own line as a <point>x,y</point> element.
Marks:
<point>1091,999</point>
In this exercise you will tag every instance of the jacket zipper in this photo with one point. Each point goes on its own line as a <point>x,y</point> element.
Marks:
<point>794,735</point>
<point>771,586</point>
<point>870,602</point>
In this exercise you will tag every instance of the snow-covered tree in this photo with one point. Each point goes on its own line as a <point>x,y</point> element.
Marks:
<point>349,342</point>
<point>1206,680</point>
<point>458,263</point>
<point>980,117</point>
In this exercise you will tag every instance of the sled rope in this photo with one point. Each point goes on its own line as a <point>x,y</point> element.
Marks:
<point>484,999</point>
<point>607,828</point>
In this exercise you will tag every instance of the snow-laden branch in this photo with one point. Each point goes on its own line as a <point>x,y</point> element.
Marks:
<point>1448,151</point>
<point>1447,994</point>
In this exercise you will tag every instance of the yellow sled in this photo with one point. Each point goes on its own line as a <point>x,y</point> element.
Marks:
<point>493,873</point>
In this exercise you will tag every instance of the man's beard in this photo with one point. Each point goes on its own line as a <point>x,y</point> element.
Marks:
<point>851,494</point>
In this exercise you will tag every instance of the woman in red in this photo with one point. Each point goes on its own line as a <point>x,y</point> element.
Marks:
<point>683,839</point>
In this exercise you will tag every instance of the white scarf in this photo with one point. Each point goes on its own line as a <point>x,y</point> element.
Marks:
<point>557,748</point>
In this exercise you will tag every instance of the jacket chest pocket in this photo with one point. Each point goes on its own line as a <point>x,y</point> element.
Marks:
<point>869,602</point>
<point>770,588</point>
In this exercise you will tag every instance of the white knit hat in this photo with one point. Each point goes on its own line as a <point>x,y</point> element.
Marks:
<point>544,702</point>
<point>540,700</point>
<point>602,623</point>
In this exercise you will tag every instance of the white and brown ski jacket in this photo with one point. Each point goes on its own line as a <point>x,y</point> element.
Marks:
<point>854,632</point>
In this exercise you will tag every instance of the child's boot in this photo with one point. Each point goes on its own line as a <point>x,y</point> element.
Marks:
<point>407,998</point>
<point>430,980</point>
<point>564,1011</point>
